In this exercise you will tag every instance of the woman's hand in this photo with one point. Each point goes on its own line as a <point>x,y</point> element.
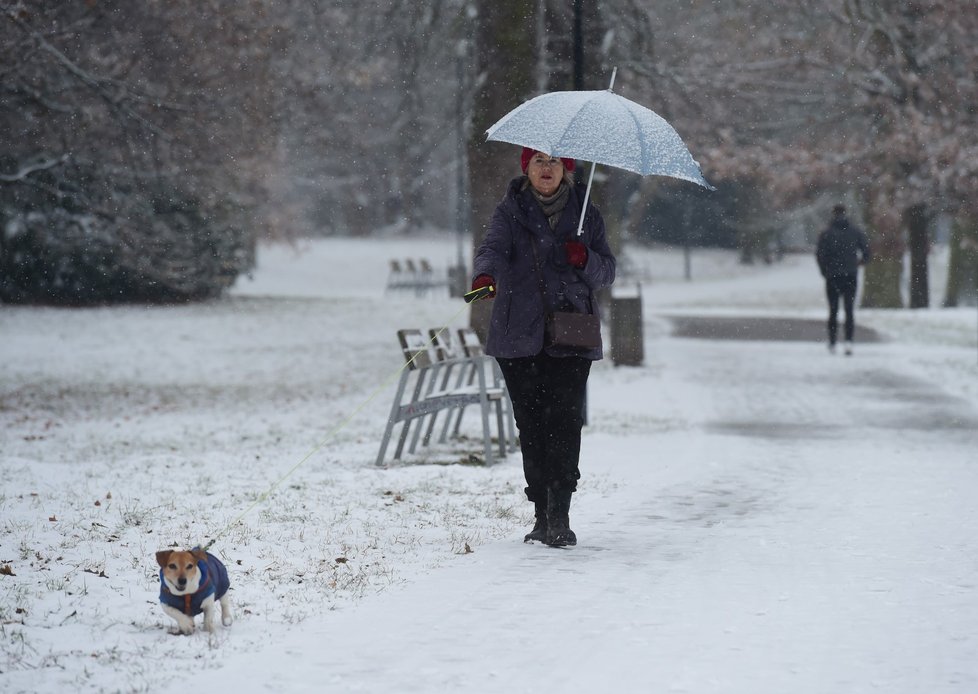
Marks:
<point>576,253</point>
<point>485,281</point>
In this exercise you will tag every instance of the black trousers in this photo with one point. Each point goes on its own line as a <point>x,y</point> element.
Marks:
<point>549,395</point>
<point>843,286</point>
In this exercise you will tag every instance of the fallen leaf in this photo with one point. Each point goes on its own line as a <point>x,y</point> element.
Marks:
<point>53,519</point>
<point>5,570</point>
<point>341,560</point>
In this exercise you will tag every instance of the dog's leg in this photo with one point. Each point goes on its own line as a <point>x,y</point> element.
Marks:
<point>208,607</point>
<point>185,624</point>
<point>226,616</point>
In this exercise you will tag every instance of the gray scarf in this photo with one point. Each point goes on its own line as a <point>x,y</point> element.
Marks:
<point>553,205</point>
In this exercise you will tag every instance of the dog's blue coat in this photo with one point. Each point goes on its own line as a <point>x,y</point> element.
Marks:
<point>213,581</point>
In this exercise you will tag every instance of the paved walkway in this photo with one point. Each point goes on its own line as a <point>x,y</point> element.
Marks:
<point>760,328</point>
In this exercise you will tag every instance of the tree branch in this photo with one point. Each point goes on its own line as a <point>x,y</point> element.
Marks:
<point>28,170</point>
<point>115,100</point>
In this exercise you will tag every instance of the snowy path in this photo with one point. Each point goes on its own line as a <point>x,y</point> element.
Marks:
<point>755,517</point>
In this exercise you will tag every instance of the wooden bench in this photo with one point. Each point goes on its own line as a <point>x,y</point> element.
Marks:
<point>445,377</point>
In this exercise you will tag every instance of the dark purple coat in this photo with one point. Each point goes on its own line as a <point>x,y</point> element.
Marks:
<point>517,321</point>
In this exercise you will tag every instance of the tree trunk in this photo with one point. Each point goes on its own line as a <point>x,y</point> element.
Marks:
<point>881,284</point>
<point>505,61</point>
<point>919,243</point>
<point>962,271</point>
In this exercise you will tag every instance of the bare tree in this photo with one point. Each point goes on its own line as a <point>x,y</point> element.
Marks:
<point>854,96</point>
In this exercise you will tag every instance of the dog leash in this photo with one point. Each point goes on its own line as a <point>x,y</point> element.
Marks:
<point>468,298</point>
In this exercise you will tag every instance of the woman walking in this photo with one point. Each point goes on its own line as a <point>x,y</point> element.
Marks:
<point>537,265</point>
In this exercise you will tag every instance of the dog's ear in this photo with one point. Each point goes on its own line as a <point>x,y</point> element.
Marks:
<point>163,557</point>
<point>199,554</point>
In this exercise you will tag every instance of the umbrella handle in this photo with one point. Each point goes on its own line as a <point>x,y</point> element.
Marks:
<point>590,178</point>
<point>587,196</point>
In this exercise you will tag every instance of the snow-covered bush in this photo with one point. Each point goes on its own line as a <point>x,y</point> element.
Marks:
<point>77,236</point>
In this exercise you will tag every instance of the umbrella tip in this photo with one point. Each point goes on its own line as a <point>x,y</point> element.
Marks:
<point>614,72</point>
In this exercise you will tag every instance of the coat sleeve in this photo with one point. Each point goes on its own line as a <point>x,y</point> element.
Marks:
<point>601,263</point>
<point>493,253</point>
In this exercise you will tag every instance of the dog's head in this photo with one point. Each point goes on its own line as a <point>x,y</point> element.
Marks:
<point>180,571</point>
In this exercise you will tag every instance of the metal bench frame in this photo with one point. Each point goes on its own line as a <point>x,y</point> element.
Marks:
<point>441,377</point>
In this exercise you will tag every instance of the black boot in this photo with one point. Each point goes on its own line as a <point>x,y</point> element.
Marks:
<point>559,533</point>
<point>539,532</point>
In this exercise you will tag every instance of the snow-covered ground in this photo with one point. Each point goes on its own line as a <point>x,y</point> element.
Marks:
<point>754,516</point>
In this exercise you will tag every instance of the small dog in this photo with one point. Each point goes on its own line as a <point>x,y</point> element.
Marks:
<point>190,582</point>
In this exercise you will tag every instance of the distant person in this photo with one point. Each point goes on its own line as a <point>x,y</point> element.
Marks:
<point>537,264</point>
<point>841,249</point>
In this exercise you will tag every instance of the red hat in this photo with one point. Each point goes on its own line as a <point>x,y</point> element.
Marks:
<point>528,153</point>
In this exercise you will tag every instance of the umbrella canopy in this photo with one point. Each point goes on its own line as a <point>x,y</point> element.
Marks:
<point>601,127</point>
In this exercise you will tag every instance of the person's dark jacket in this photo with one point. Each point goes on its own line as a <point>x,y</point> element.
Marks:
<point>841,249</point>
<point>518,313</point>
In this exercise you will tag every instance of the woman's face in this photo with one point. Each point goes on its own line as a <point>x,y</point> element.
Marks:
<point>545,173</point>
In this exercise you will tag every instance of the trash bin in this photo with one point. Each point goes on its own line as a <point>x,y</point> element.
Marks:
<point>627,328</point>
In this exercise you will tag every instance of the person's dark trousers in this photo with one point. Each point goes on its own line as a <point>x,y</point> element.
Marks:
<point>844,287</point>
<point>548,395</point>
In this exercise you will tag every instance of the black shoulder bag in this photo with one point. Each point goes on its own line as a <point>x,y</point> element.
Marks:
<point>581,331</point>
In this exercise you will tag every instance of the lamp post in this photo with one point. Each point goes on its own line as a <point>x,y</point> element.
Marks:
<point>578,46</point>
<point>457,280</point>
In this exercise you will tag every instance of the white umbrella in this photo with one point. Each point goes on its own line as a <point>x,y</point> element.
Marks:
<point>600,127</point>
